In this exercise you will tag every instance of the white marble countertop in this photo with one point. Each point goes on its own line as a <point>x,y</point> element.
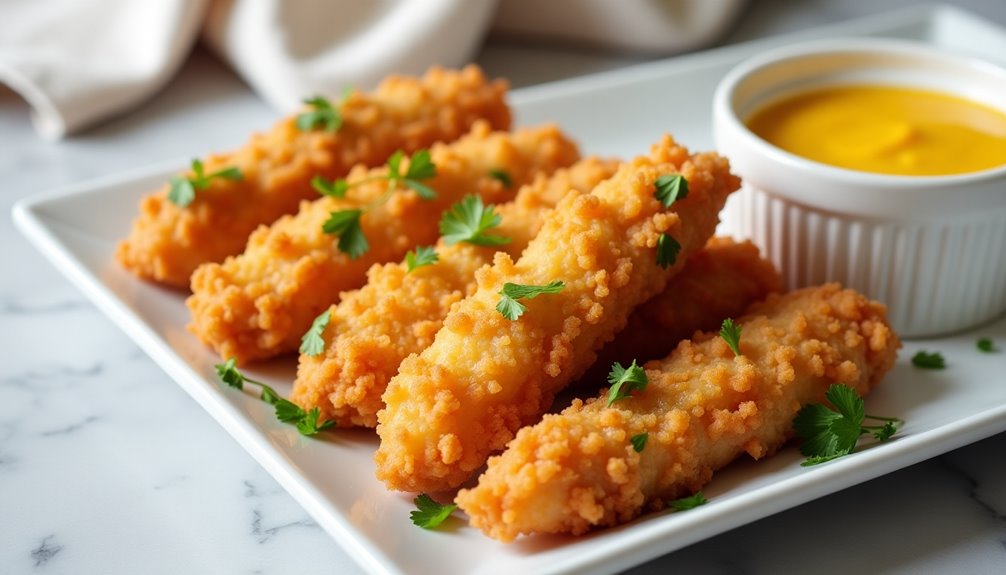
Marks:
<point>107,466</point>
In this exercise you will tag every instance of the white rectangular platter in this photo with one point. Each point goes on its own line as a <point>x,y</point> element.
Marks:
<point>617,113</point>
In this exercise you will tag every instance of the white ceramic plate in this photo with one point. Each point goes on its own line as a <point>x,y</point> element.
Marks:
<point>615,113</point>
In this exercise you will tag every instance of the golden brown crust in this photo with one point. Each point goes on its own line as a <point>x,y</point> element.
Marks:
<point>485,376</point>
<point>167,243</point>
<point>720,281</point>
<point>703,407</point>
<point>397,313</point>
<point>258,304</point>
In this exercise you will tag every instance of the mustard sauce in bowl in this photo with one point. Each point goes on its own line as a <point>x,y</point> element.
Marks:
<point>886,130</point>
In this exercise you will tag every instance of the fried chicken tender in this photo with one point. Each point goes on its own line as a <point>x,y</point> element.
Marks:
<point>398,312</point>
<point>485,376</point>
<point>702,408</point>
<point>720,281</point>
<point>167,242</point>
<point>258,305</point>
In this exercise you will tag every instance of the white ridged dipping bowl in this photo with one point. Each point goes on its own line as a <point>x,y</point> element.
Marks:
<point>933,248</point>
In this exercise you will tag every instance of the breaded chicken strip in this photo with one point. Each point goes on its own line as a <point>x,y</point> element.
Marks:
<point>702,408</point>
<point>398,312</point>
<point>720,281</point>
<point>258,304</point>
<point>485,376</point>
<point>167,242</point>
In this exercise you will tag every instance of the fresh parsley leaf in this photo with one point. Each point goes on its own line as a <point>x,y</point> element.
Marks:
<point>312,343</point>
<point>423,256</point>
<point>625,380</point>
<point>308,425</point>
<point>731,333</point>
<point>286,410</point>
<point>322,113</point>
<point>986,345</point>
<point>335,188</point>
<point>229,374</point>
<point>667,251</point>
<point>468,221</point>
<point>502,176</point>
<point>429,514</point>
<point>182,190</point>
<point>831,433</point>
<point>639,441</point>
<point>686,503</point>
<point>346,225</point>
<point>421,167</point>
<point>511,292</point>
<point>671,188</point>
<point>925,360</point>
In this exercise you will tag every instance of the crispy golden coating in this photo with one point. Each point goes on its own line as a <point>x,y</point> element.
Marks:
<point>397,313</point>
<point>485,376</point>
<point>703,407</point>
<point>258,304</point>
<point>167,243</point>
<point>720,281</point>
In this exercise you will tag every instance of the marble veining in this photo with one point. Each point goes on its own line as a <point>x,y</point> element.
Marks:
<point>108,467</point>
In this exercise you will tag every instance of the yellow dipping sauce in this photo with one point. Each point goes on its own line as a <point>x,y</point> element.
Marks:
<point>887,130</point>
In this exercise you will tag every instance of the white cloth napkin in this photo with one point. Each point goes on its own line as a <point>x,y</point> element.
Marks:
<point>77,62</point>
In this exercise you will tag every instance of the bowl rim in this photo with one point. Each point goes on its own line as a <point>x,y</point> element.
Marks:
<point>725,111</point>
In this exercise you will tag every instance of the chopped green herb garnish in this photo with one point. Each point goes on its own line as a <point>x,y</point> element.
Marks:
<point>926,360</point>
<point>286,410</point>
<point>423,256</point>
<point>183,190</point>
<point>334,188</point>
<point>501,176</point>
<point>511,292</point>
<point>468,221</point>
<point>830,433</point>
<point>429,514</point>
<point>345,225</point>
<point>625,380</point>
<point>671,188</point>
<point>312,343</point>
<point>686,503</point>
<point>667,251</point>
<point>322,113</point>
<point>731,333</point>
<point>986,345</point>
<point>639,441</point>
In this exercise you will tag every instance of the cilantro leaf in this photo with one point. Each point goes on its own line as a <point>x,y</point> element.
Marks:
<point>322,113</point>
<point>511,292</point>
<point>346,225</point>
<point>335,188</point>
<point>625,380</point>
<point>312,343</point>
<point>429,514</point>
<point>420,168</point>
<point>182,190</point>
<point>986,345</point>
<point>502,176</point>
<point>468,220</point>
<point>667,251</point>
<point>686,503</point>
<point>831,433</point>
<point>925,360</point>
<point>671,188</point>
<point>639,441</point>
<point>731,333</point>
<point>286,410</point>
<point>423,256</point>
